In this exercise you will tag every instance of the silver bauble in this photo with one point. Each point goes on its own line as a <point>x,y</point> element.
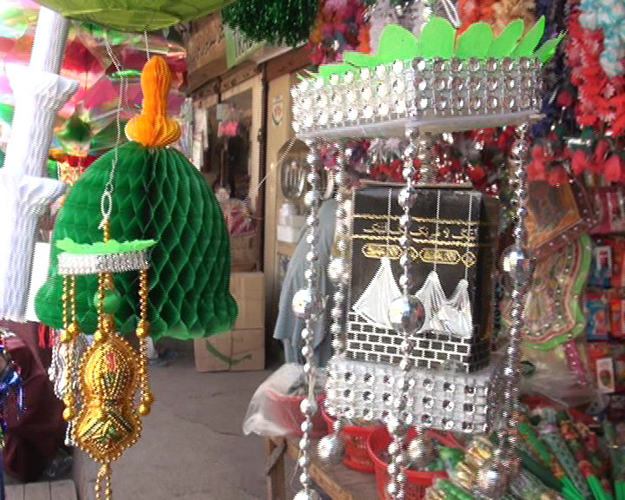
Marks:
<point>331,449</point>
<point>406,313</point>
<point>407,197</point>
<point>307,495</point>
<point>421,452</point>
<point>489,480</point>
<point>304,304</point>
<point>518,265</point>
<point>337,270</point>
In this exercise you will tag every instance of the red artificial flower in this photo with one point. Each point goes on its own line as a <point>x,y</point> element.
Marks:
<point>536,171</point>
<point>601,153</point>
<point>580,162</point>
<point>565,99</point>
<point>476,173</point>
<point>613,169</point>
<point>557,176</point>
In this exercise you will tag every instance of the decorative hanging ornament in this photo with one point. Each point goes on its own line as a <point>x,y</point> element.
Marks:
<point>111,371</point>
<point>420,359</point>
<point>158,196</point>
<point>134,15</point>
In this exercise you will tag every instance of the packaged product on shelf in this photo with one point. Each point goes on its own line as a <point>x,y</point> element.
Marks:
<point>598,316</point>
<point>601,269</point>
<point>618,263</point>
<point>617,317</point>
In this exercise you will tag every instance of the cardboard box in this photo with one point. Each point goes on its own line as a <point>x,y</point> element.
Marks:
<point>248,289</point>
<point>239,350</point>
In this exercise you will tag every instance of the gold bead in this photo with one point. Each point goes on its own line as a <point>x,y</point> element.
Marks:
<point>144,409</point>
<point>108,324</point>
<point>149,397</point>
<point>99,336</point>
<point>65,337</point>
<point>98,414</point>
<point>143,329</point>
<point>74,330</point>
<point>68,414</point>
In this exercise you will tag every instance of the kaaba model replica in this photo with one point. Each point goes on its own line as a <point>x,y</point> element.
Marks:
<point>412,322</point>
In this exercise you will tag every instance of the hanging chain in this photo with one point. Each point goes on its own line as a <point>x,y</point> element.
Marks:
<point>337,326</point>
<point>311,314</point>
<point>106,202</point>
<point>508,436</point>
<point>405,326</point>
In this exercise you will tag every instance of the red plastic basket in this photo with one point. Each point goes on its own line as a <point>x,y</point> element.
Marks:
<point>289,415</point>
<point>356,450</point>
<point>417,482</point>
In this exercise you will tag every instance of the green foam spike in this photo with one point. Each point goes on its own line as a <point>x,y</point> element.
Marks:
<point>475,41</point>
<point>397,43</point>
<point>158,196</point>
<point>437,39</point>
<point>504,44</point>
<point>531,40</point>
<point>548,50</point>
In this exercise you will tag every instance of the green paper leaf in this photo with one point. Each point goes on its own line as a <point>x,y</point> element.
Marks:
<point>530,41</point>
<point>110,247</point>
<point>437,39</point>
<point>505,43</point>
<point>475,41</point>
<point>397,43</point>
<point>548,50</point>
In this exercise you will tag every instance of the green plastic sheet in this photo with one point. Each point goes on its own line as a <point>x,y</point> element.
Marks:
<point>135,15</point>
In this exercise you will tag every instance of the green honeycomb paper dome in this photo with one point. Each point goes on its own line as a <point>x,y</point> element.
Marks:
<point>159,195</point>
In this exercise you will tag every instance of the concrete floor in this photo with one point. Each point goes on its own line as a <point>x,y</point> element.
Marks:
<point>192,446</point>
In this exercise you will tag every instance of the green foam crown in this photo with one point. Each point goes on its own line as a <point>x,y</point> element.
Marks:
<point>440,40</point>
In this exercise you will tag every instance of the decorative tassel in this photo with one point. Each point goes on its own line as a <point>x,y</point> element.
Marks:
<point>153,128</point>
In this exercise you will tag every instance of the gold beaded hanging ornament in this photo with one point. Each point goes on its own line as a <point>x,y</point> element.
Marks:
<point>111,371</point>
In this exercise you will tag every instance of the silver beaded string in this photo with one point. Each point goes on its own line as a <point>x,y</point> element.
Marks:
<point>406,316</point>
<point>520,270</point>
<point>331,448</point>
<point>426,157</point>
<point>309,303</point>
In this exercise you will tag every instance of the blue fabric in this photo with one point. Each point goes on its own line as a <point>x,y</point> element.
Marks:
<point>288,327</point>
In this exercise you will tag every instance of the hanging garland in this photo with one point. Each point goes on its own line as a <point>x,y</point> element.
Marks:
<point>275,21</point>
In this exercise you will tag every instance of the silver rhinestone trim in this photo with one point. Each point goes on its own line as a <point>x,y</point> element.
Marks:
<point>461,402</point>
<point>80,264</point>
<point>444,94</point>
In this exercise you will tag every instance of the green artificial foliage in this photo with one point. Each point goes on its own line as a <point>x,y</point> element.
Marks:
<point>75,130</point>
<point>158,196</point>
<point>135,15</point>
<point>1,158</point>
<point>278,22</point>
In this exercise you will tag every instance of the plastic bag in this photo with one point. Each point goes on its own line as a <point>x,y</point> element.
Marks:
<point>275,406</point>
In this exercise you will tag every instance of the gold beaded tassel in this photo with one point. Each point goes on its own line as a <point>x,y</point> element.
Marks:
<point>68,337</point>
<point>143,332</point>
<point>103,481</point>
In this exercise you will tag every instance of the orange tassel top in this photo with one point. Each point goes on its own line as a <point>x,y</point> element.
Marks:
<point>153,128</point>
